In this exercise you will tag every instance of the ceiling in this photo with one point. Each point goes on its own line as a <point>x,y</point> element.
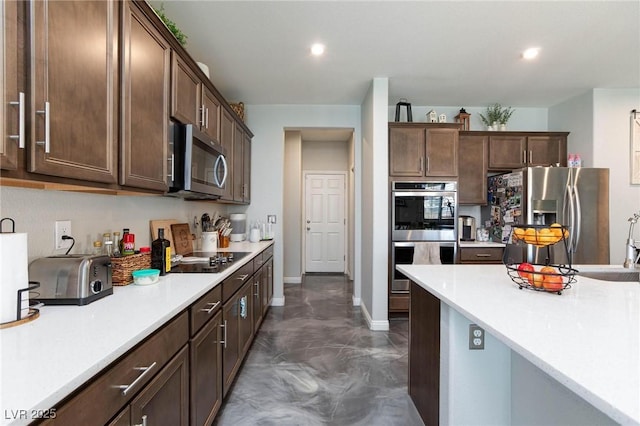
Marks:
<point>434,53</point>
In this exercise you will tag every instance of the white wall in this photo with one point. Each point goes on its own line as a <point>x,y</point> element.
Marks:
<point>525,119</point>
<point>291,239</point>
<point>268,123</point>
<point>599,121</point>
<point>35,212</point>
<point>325,155</point>
<point>375,210</point>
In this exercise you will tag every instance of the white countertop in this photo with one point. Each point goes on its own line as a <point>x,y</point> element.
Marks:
<point>588,338</point>
<point>48,358</point>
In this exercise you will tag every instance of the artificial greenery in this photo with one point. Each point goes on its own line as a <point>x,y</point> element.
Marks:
<point>179,35</point>
<point>496,114</point>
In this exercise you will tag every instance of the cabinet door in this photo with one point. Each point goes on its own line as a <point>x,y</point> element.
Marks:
<point>546,150</point>
<point>145,104</point>
<point>227,127</point>
<point>206,372</point>
<point>507,152</point>
<point>211,108</point>
<point>74,94</point>
<point>472,169</point>
<point>245,322</point>
<point>246,169</point>
<point>186,89</point>
<point>441,152</point>
<point>267,286</point>
<point>238,162</point>
<point>230,339</point>
<point>13,104</point>
<point>166,399</point>
<point>258,282</point>
<point>406,151</point>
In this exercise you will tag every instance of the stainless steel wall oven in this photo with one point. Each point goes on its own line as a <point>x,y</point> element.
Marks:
<point>421,212</point>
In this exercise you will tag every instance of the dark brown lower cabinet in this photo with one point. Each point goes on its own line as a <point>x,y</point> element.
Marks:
<point>267,285</point>
<point>424,354</point>
<point>245,319</point>
<point>231,341</point>
<point>206,372</point>
<point>163,401</point>
<point>258,284</point>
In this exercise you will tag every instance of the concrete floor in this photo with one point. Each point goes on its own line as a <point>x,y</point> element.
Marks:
<point>315,362</point>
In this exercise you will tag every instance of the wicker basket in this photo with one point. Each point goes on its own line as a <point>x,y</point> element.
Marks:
<point>238,108</point>
<point>122,267</point>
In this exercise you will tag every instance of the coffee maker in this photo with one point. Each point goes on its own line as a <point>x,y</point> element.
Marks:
<point>467,228</point>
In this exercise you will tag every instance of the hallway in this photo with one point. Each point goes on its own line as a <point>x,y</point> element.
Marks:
<point>314,362</point>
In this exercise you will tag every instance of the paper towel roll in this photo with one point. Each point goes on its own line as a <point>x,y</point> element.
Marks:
<point>14,275</point>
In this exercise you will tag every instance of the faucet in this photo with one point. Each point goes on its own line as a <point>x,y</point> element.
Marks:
<point>630,258</point>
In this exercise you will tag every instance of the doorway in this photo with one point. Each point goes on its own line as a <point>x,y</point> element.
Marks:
<point>324,222</point>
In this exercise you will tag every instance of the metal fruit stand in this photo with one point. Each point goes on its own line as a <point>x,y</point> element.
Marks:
<point>542,238</point>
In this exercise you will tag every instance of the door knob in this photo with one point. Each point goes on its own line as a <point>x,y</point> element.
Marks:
<point>308,221</point>
<point>308,229</point>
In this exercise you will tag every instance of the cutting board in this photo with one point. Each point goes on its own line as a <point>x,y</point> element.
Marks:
<point>166,225</point>
<point>183,238</point>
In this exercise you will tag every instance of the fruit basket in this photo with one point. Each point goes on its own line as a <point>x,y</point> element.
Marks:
<point>541,275</point>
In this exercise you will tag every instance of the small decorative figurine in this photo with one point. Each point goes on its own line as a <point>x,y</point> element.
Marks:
<point>432,116</point>
<point>442,118</point>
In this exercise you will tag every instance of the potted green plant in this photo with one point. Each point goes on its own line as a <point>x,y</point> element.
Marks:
<point>179,35</point>
<point>496,115</point>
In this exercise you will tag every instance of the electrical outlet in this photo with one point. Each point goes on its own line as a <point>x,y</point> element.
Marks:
<point>271,218</point>
<point>63,227</point>
<point>476,337</point>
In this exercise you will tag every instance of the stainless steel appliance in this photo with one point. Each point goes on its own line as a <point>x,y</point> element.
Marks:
<point>574,197</point>
<point>467,228</point>
<point>71,279</point>
<point>198,168</point>
<point>208,264</point>
<point>421,212</point>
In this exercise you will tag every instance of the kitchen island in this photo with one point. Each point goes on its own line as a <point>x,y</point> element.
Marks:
<point>49,358</point>
<point>548,359</point>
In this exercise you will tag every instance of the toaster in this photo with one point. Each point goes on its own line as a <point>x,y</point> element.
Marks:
<point>71,279</point>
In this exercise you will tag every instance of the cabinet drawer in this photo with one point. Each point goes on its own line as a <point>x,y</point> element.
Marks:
<point>399,303</point>
<point>258,261</point>
<point>103,397</point>
<point>205,308</point>
<point>267,253</point>
<point>481,254</point>
<point>235,281</point>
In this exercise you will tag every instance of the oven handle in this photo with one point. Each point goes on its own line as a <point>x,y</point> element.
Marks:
<point>413,243</point>
<point>424,193</point>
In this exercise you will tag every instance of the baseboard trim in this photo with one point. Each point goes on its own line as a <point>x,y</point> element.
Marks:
<point>373,325</point>
<point>292,280</point>
<point>277,301</point>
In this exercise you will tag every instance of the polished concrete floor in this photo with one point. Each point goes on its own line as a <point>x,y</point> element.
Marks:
<point>315,362</point>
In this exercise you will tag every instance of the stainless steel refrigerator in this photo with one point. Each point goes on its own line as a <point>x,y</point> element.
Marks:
<point>574,197</point>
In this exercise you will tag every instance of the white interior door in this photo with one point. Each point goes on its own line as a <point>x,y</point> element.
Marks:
<point>324,222</point>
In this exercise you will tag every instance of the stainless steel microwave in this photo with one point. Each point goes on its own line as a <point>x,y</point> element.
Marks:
<point>198,165</point>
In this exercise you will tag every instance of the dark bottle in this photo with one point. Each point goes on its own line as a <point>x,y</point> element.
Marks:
<point>125,231</point>
<point>161,253</point>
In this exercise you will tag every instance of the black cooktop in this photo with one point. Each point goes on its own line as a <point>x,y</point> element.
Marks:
<point>216,263</point>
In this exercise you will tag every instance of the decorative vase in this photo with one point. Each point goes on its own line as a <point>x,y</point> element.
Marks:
<point>490,128</point>
<point>503,127</point>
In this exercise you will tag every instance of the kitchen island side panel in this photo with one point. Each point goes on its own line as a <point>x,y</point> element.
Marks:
<point>424,354</point>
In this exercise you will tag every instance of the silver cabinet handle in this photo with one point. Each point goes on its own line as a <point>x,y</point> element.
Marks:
<point>145,370</point>
<point>213,306</point>
<point>242,277</point>
<point>421,164</point>
<point>530,156</point>
<point>202,116</point>
<point>483,255</point>
<point>47,127</point>
<point>206,118</point>
<point>224,337</point>
<point>20,135</point>
<point>428,163</point>
<point>144,421</point>
<point>257,286</point>
<point>524,157</point>
<point>172,159</point>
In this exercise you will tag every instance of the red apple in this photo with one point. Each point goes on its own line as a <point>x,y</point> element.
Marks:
<point>525,270</point>
<point>552,283</point>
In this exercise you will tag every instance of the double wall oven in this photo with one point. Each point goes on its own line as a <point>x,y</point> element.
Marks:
<point>421,212</point>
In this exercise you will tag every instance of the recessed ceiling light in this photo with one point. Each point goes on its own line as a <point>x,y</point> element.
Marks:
<point>317,49</point>
<point>530,53</point>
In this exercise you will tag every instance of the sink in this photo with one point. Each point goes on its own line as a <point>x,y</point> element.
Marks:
<point>609,273</point>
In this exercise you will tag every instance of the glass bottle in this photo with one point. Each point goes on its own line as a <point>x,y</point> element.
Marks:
<point>97,248</point>
<point>128,243</point>
<point>116,245</point>
<point>161,253</point>
<point>107,244</point>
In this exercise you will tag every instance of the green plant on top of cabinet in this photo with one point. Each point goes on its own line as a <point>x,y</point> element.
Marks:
<point>423,149</point>
<point>513,150</point>
<point>13,105</point>
<point>145,102</point>
<point>74,89</point>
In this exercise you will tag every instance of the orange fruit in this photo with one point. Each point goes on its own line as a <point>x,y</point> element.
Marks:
<point>537,280</point>
<point>552,283</point>
<point>548,270</point>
